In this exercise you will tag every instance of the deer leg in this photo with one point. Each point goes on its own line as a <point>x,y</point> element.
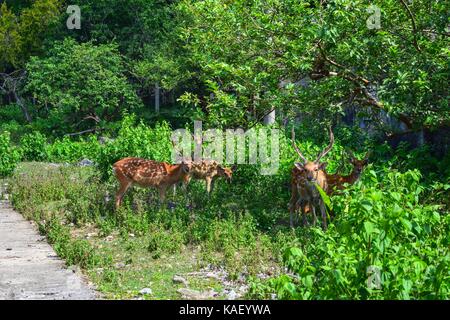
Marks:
<point>124,184</point>
<point>162,194</point>
<point>211,188</point>
<point>313,210</point>
<point>121,192</point>
<point>208,184</point>
<point>293,204</point>
<point>324,214</point>
<point>303,212</point>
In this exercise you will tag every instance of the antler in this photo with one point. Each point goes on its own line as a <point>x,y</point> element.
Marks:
<point>327,149</point>
<point>296,148</point>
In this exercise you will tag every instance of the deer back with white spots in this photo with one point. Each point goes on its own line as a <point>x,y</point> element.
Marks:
<point>147,173</point>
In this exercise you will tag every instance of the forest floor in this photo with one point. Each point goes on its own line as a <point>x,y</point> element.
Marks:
<point>30,268</point>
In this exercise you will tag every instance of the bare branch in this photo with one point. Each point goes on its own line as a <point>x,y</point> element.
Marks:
<point>414,26</point>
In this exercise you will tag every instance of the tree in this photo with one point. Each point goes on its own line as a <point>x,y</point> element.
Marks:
<point>80,86</point>
<point>324,54</point>
<point>22,36</point>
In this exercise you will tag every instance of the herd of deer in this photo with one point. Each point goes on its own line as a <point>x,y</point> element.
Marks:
<point>305,177</point>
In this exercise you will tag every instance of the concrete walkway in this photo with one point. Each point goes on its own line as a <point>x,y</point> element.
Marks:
<point>30,268</point>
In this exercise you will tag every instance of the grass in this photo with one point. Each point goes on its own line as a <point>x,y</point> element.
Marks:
<point>141,245</point>
<point>239,236</point>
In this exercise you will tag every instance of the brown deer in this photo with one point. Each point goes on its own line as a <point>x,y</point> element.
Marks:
<point>337,182</point>
<point>305,176</point>
<point>208,170</point>
<point>147,173</point>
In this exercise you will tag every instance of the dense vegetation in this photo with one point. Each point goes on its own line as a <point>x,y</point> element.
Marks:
<point>68,95</point>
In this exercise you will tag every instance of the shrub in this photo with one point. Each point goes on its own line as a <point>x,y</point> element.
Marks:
<point>67,150</point>
<point>9,156</point>
<point>380,225</point>
<point>32,147</point>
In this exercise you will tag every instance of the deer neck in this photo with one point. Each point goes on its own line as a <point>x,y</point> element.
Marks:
<point>354,175</point>
<point>175,172</point>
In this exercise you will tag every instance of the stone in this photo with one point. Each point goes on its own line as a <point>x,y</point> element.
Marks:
<point>178,279</point>
<point>85,163</point>
<point>145,291</point>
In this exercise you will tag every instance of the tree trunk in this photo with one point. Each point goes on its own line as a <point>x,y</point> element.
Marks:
<point>23,107</point>
<point>157,98</point>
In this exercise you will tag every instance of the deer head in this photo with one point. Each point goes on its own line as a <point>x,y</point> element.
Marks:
<point>226,172</point>
<point>358,165</point>
<point>312,170</point>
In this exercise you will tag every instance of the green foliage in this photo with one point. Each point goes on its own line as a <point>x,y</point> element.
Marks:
<point>245,49</point>
<point>22,36</point>
<point>380,224</point>
<point>32,147</point>
<point>69,150</point>
<point>9,156</point>
<point>72,251</point>
<point>80,86</point>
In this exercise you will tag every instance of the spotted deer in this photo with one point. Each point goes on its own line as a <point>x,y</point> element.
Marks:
<point>147,173</point>
<point>205,169</point>
<point>337,182</point>
<point>304,177</point>
<point>208,170</point>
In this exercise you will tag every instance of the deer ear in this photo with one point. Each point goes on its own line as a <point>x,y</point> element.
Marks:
<point>299,166</point>
<point>323,166</point>
<point>234,167</point>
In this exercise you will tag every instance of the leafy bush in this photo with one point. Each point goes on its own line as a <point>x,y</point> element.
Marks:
<point>380,225</point>
<point>78,82</point>
<point>32,147</point>
<point>9,156</point>
<point>67,150</point>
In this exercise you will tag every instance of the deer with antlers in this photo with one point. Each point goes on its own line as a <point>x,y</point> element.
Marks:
<point>337,182</point>
<point>305,176</point>
<point>147,173</point>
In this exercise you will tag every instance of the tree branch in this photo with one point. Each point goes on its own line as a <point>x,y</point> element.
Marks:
<point>414,26</point>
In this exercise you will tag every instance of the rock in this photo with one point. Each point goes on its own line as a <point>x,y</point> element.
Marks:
<point>119,265</point>
<point>85,163</point>
<point>91,234</point>
<point>232,295</point>
<point>213,275</point>
<point>74,269</point>
<point>146,291</point>
<point>190,294</point>
<point>178,279</point>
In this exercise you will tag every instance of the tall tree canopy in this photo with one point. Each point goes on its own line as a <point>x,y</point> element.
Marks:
<point>248,51</point>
